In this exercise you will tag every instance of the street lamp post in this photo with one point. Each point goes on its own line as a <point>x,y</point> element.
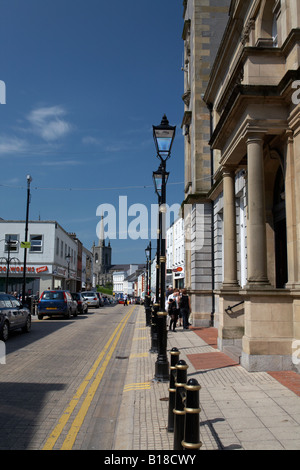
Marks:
<point>29,179</point>
<point>68,258</point>
<point>148,284</point>
<point>163,135</point>
<point>10,244</point>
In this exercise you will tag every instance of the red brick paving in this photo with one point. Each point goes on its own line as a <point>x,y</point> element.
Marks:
<point>213,360</point>
<point>289,379</point>
<point>209,335</point>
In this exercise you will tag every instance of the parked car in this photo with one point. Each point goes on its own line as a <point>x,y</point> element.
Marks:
<point>56,302</point>
<point>13,315</point>
<point>101,299</point>
<point>82,305</point>
<point>92,298</point>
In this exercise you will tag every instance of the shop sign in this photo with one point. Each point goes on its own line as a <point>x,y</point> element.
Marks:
<point>42,269</point>
<point>178,270</point>
<point>20,269</point>
<point>60,271</point>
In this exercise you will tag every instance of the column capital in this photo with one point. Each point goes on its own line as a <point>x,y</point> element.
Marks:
<point>228,170</point>
<point>290,136</point>
<point>255,136</point>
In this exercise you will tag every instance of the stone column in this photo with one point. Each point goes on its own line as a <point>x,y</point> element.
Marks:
<point>291,219</point>
<point>257,244</point>
<point>230,247</point>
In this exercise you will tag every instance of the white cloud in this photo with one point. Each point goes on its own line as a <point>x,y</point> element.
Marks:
<point>48,122</point>
<point>61,163</point>
<point>13,145</point>
<point>88,140</point>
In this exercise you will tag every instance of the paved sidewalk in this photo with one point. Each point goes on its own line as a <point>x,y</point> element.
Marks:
<point>239,410</point>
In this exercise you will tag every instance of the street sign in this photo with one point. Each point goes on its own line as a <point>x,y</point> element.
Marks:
<point>25,244</point>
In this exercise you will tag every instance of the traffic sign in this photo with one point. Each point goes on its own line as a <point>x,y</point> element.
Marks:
<point>25,244</point>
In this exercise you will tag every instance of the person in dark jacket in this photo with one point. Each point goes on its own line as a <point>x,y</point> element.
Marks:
<point>173,309</point>
<point>185,308</point>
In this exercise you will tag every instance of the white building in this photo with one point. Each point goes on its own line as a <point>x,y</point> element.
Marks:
<point>127,281</point>
<point>118,283</point>
<point>176,254</point>
<point>52,259</point>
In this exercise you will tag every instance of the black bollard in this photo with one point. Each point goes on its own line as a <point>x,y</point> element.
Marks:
<point>154,341</point>
<point>172,389</point>
<point>179,413</point>
<point>191,439</point>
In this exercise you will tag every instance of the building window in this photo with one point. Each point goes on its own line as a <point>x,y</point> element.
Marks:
<point>36,242</point>
<point>57,246</point>
<point>275,32</point>
<point>14,243</point>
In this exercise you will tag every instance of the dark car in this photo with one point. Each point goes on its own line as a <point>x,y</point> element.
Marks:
<point>82,305</point>
<point>56,302</point>
<point>13,316</point>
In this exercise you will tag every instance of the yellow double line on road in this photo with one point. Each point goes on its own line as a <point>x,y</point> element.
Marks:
<point>78,421</point>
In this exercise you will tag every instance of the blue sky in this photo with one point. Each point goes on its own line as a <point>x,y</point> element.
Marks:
<point>85,82</point>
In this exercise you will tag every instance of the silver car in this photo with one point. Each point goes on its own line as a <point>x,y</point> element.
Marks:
<point>91,298</point>
<point>13,315</point>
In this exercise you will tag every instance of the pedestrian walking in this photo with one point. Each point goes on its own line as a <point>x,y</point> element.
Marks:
<point>173,309</point>
<point>185,308</point>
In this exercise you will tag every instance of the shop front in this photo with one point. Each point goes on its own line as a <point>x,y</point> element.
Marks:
<point>38,278</point>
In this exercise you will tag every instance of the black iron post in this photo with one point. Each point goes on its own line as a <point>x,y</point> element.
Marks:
<point>68,258</point>
<point>179,412</point>
<point>8,263</point>
<point>172,389</point>
<point>148,286</point>
<point>162,363</point>
<point>147,300</point>
<point>29,179</point>
<point>150,266</point>
<point>192,409</point>
<point>155,306</point>
<point>164,135</point>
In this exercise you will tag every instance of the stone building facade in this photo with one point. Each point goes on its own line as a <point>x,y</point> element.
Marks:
<point>254,103</point>
<point>204,25</point>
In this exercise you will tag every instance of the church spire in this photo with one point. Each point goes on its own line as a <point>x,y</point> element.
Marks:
<point>101,238</point>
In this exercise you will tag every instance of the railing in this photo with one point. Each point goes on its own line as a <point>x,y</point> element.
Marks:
<point>230,307</point>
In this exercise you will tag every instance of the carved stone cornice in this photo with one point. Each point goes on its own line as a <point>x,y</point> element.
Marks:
<point>186,97</point>
<point>250,25</point>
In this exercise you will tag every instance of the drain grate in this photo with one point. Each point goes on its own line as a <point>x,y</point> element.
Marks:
<point>122,357</point>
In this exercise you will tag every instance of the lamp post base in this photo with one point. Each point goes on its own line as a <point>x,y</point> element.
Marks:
<point>162,371</point>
